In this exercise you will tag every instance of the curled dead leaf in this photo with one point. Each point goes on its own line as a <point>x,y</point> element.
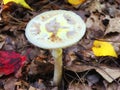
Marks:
<point>108,73</point>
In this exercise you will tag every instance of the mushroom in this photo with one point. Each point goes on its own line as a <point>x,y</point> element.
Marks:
<point>55,30</point>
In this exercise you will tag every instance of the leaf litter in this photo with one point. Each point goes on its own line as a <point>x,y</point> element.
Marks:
<point>83,70</point>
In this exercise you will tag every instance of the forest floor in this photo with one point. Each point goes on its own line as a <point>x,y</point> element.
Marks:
<point>82,69</point>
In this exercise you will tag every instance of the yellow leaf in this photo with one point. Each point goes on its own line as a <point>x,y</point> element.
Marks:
<point>21,2</point>
<point>101,48</point>
<point>75,2</point>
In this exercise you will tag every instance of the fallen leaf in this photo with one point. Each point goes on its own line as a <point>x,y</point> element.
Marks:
<point>21,2</point>
<point>94,22</point>
<point>118,88</point>
<point>37,66</point>
<point>114,25</point>
<point>111,9</point>
<point>21,85</point>
<point>112,37</point>
<point>38,85</point>
<point>94,6</point>
<point>1,44</point>
<point>31,88</point>
<point>76,3</point>
<point>70,54</point>
<point>101,48</point>
<point>2,40</point>
<point>111,86</point>
<point>10,62</point>
<point>78,67</point>
<point>109,73</point>
<point>10,83</point>
<point>78,86</point>
<point>118,1</point>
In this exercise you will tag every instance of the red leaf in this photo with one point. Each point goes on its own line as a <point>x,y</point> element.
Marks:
<point>10,62</point>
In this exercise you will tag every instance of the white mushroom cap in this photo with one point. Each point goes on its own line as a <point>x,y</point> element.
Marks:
<point>55,29</point>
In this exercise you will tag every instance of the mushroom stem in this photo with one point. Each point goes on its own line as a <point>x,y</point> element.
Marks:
<point>57,54</point>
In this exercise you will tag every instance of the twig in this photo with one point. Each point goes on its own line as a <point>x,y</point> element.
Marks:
<point>81,79</point>
<point>14,18</point>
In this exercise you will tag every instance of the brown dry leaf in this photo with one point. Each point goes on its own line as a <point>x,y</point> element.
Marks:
<point>70,54</point>
<point>39,66</point>
<point>5,16</point>
<point>2,37</point>
<point>114,25</point>
<point>18,83</point>
<point>1,44</point>
<point>94,6</point>
<point>2,41</point>
<point>21,85</point>
<point>118,88</point>
<point>38,85</point>
<point>108,73</point>
<point>95,23</point>
<point>111,9</point>
<point>111,86</point>
<point>31,88</point>
<point>78,67</point>
<point>32,69</point>
<point>113,37</point>
<point>9,44</point>
<point>20,41</point>
<point>10,83</point>
<point>78,86</point>
<point>118,1</point>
